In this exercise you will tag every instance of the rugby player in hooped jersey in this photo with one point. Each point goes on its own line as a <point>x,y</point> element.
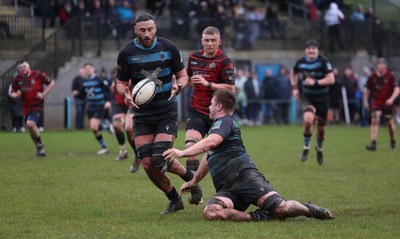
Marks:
<point>28,84</point>
<point>316,75</point>
<point>209,70</point>
<point>156,123</point>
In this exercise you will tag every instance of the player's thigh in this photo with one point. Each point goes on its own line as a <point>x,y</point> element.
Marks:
<point>129,122</point>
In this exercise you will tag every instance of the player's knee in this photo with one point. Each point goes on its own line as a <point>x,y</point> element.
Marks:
<point>145,151</point>
<point>157,159</point>
<point>272,203</point>
<point>118,123</point>
<point>30,124</point>
<point>189,141</point>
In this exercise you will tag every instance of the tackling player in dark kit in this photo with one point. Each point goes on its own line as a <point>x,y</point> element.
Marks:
<point>209,70</point>
<point>156,123</point>
<point>28,84</point>
<point>237,181</point>
<point>315,73</point>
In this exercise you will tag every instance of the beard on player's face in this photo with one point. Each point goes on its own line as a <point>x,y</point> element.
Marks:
<point>146,41</point>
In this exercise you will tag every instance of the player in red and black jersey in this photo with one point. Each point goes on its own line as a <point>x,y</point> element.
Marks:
<point>209,70</point>
<point>28,84</point>
<point>383,89</point>
<point>123,121</point>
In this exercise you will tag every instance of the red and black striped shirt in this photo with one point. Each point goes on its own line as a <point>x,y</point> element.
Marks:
<point>29,87</point>
<point>218,69</point>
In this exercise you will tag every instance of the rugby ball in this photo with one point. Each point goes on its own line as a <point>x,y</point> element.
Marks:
<point>144,91</point>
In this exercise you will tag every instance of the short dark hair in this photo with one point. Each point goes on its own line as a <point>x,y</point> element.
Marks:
<point>87,64</point>
<point>20,62</point>
<point>144,17</point>
<point>311,42</point>
<point>226,98</point>
<point>381,60</point>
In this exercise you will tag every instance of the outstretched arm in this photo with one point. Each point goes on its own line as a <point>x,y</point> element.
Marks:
<point>199,175</point>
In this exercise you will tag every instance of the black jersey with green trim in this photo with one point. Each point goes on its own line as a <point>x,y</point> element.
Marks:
<point>228,159</point>
<point>316,69</point>
<point>163,54</point>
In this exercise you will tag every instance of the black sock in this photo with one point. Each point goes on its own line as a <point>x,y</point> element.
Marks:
<point>188,175</point>
<point>373,142</point>
<point>120,137</point>
<point>39,141</point>
<point>173,195</point>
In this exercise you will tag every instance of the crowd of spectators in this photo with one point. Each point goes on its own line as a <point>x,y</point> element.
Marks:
<point>268,100</point>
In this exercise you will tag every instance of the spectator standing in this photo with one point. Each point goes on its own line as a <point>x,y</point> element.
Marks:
<point>29,86</point>
<point>79,99</point>
<point>333,18</point>
<point>269,93</point>
<point>17,116</point>
<point>240,27</point>
<point>252,89</point>
<point>240,80</point>
<point>383,88</point>
<point>375,33</point>
<point>66,12</point>
<point>357,20</point>
<point>273,22</point>
<point>284,92</point>
<point>126,17</point>
<point>254,19</point>
<point>335,98</point>
<point>350,83</point>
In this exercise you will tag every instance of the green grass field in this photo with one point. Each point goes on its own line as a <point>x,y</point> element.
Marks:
<point>72,193</point>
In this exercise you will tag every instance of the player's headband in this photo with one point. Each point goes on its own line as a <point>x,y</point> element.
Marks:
<point>23,63</point>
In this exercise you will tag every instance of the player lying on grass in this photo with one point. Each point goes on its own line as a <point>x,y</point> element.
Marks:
<point>237,181</point>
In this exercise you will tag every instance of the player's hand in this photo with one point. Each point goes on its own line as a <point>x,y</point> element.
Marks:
<point>128,99</point>
<point>173,153</point>
<point>16,94</point>
<point>296,94</point>
<point>389,102</point>
<point>174,91</point>
<point>186,187</point>
<point>309,81</point>
<point>198,79</point>
<point>366,106</point>
<point>40,95</point>
<point>107,105</point>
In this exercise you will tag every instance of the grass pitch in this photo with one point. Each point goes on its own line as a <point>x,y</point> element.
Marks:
<point>73,193</point>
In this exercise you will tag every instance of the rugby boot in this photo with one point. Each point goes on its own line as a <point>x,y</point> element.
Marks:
<point>320,156</point>
<point>135,166</point>
<point>40,151</point>
<point>304,155</point>
<point>196,195</point>
<point>102,151</point>
<point>261,215</point>
<point>393,145</point>
<point>174,207</point>
<point>371,146</point>
<point>319,212</point>
<point>123,154</point>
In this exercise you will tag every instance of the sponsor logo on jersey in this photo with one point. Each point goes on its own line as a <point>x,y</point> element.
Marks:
<point>212,65</point>
<point>216,125</point>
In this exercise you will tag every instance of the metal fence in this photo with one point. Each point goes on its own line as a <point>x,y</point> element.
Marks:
<point>93,35</point>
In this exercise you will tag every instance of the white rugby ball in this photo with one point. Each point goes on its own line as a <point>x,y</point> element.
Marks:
<point>144,91</point>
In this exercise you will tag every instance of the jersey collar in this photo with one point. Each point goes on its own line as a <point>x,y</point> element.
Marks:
<point>136,42</point>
